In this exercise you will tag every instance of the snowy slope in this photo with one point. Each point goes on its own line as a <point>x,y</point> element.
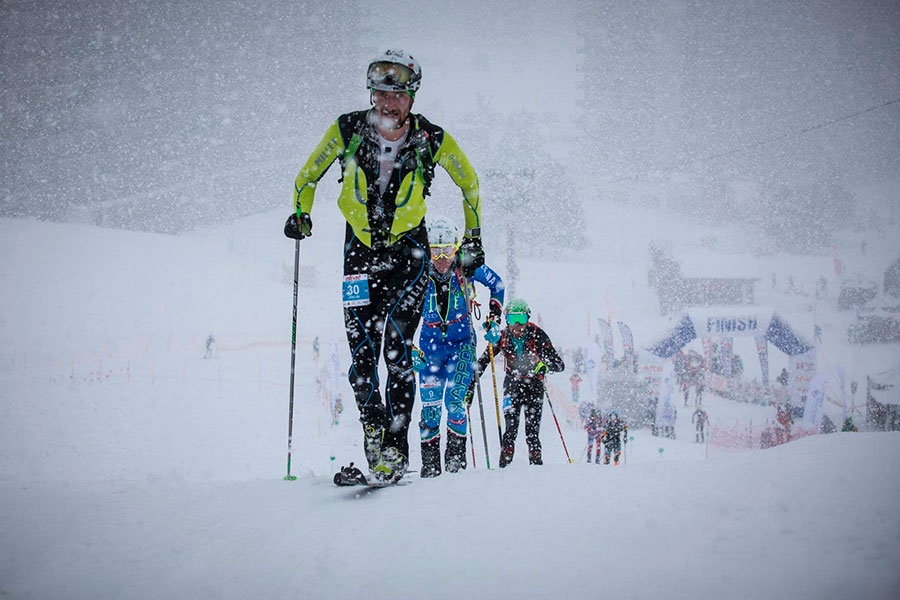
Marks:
<point>130,466</point>
<point>800,521</point>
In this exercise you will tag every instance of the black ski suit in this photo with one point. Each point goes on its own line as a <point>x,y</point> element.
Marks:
<point>612,440</point>
<point>385,256</point>
<point>699,418</point>
<point>523,387</point>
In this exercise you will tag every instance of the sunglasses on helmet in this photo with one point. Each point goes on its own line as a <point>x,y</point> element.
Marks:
<point>389,74</point>
<point>516,318</point>
<point>443,251</point>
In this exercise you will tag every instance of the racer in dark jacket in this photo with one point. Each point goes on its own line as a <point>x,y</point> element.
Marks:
<point>528,356</point>
<point>612,437</point>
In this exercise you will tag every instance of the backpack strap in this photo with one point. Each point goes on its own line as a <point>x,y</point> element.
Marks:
<point>424,155</point>
<point>355,141</point>
<point>353,146</point>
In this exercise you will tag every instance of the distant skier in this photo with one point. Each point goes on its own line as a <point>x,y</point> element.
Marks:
<point>692,376</point>
<point>613,434</point>
<point>650,414</point>
<point>785,418</point>
<point>528,355</point>
<point>209,346</point>
<point>782,378</point>
<point>575,380</point>
<point>849,426</point>
<point>447,351</point>
<point>699,419</point>
<point>593,426</point>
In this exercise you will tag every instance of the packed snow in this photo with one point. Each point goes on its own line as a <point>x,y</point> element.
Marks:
<point>134,467</point>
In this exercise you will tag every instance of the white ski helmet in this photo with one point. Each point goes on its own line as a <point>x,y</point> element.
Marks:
<point>441,232</point>
<point>394,71</point>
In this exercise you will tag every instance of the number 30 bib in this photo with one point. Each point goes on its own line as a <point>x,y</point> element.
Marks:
<point>356,290</point>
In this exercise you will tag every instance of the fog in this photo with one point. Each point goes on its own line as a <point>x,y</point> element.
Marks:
<point>168,116</point>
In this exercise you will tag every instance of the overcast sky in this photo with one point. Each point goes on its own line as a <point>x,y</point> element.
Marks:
<point>166,115</point>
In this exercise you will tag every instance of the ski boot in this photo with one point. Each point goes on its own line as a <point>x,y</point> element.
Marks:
<point>431,458</point>
<point>535,458</point>
<point>455,453</point>
<point>392,466</point>
<point>372,444</point>
<point>506,456</point>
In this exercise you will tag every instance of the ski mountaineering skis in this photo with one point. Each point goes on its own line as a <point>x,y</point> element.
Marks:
<point>351,476</point>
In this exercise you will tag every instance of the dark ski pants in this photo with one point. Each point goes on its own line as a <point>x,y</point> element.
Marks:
<point>613,448</point>
<point>593,442</point>
<point>397,283</point>
<point>700,435</point>
<point>531,398</point>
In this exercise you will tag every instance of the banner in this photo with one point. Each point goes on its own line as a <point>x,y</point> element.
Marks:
<point>707,353</point>
<point>591,355</point>
<point>725,355</point>
<point>802,368</point>
<point>628,344</point>
<point>762,348</point>
<point>841,374</point>
<point>651,369</point>
<point>607,338</point>
<point>815,401</point>
<point>665,409</point>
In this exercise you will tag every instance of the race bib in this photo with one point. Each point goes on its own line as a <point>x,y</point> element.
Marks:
<point>356,290</point>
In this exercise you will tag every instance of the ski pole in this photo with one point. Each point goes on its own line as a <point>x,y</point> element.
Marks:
<point>290,477</point>
<point>473,339</point>
<point>471,436</point>
<point>496,395</point>
<point>487,453</point>
<point>553,412</point>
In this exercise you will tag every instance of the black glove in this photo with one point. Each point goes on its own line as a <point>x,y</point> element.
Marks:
<point>298,229</point>
<point>471,256</point>
<point>494,311</point>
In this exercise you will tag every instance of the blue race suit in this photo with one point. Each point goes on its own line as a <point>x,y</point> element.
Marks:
<point>446,341</point>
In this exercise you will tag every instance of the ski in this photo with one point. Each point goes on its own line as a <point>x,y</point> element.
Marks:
<point>351,476</point>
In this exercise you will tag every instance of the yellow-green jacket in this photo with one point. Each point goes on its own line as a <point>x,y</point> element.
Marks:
<point>377,219</point>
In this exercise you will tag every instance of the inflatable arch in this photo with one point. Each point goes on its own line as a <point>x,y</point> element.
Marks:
<point>766,327</point>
